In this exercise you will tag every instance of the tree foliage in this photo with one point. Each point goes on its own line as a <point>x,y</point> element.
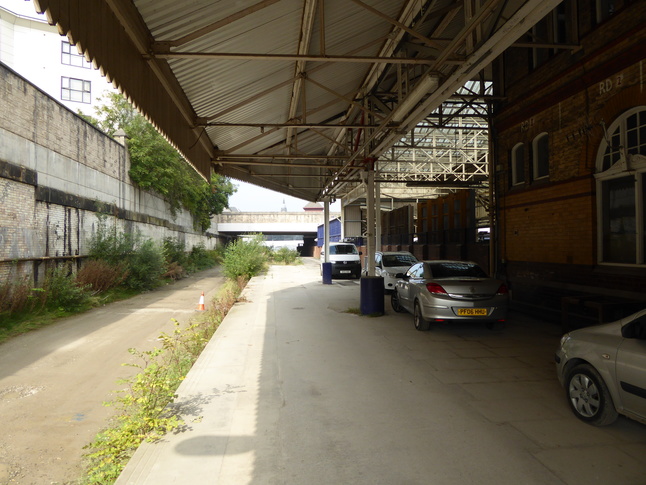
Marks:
<point>157,166</point>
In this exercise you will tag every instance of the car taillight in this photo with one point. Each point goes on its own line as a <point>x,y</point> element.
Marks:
<point>435,289</point>
<point>503,290</point>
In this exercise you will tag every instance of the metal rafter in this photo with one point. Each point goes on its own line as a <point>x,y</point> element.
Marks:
<point>426,97</point>
<point>418,58</point>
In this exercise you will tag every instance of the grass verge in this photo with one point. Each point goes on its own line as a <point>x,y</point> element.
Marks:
<point>14,324</point>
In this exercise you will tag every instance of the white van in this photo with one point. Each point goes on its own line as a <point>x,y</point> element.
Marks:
<point>345,259</point>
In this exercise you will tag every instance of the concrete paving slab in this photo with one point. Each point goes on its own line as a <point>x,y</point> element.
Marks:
<point>295,389</point>
<point>568,433</point>
<point>593,464</point>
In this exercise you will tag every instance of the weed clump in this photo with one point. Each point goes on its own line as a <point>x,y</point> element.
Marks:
<point>119,264</point>
<point>143,407</point>
<point>285,255</point>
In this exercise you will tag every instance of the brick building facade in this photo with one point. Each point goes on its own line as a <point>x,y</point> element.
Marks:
<point>569,143</point>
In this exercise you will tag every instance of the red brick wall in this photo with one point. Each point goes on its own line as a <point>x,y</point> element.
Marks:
<point>548,227</point>
<point>551,224</point>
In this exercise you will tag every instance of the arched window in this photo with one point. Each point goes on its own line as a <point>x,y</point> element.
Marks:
<point>541,156</point>
<point>518,164</point>
<point>621,190</point>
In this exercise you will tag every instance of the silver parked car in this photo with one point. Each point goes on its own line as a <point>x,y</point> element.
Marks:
<point>388,264</point>
<point>450,290</point>
<point>603,370</point>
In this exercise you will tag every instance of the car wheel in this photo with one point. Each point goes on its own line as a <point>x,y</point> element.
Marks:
<point>420,324</point>
<point>589,397</point>
<point>394,302</point>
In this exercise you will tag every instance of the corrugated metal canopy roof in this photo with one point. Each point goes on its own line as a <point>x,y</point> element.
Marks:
<point>293,95</point>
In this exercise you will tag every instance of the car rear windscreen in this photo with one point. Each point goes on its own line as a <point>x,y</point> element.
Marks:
<point>398,260</point>
<point>456,269</point>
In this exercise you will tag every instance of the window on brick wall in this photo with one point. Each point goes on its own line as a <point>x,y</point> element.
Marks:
<point>77,90</point>
<point>554,28</point>
<point>602,10</point>
<point>621,190</point>
<point>540,34</point>
<point>605,9</point>
<point>541,156</point>
<point>561,23</point>
<point>518,164</point>
<point>71,57</point>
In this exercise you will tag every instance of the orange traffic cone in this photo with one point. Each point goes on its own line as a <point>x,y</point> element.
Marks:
<point>200,305</point>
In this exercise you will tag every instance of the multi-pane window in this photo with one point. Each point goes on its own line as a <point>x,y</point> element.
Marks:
<point>77,90</point>
<point>554,28</point>
<point>541,156</point>
<point>605,8</point>
<point>560,22</point>
<point>518,164</point>
<point>613,150</point>
<point>540,34</point>
<point>71,57</point>
<point>619,220</point>
<point>627,135</point>
<point>636,133</point>
<point>621,185</point>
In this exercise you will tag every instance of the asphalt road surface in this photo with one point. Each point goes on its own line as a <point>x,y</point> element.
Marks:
<point>54,381</point>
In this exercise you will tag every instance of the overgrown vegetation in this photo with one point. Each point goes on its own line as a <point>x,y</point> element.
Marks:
<point>143,407</point>
<point>285,255</point>
<point>157,166</point>
<point>249,256</point>
<point>119,265</point>
<point>24,308</point>
<point>245,257</point>
<point>144,410</point>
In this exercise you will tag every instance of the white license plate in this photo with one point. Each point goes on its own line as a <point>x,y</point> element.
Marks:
<point>345,271</point>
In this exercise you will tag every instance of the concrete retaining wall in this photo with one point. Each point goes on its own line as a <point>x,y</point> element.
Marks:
<point>57,173</point>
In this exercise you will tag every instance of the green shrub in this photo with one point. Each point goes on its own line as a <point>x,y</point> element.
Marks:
<point>200,258</point>
<point>285,255</point>
<point>145,266</point>
<point>143,259</point>
<point>245,258</point>
<point>109,244</point>
<point>62,293</point>
<point>218,253</point>
<point>175,251</point>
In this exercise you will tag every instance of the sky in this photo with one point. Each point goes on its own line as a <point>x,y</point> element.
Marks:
<point>251,198</point>
<point>21,7</point>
